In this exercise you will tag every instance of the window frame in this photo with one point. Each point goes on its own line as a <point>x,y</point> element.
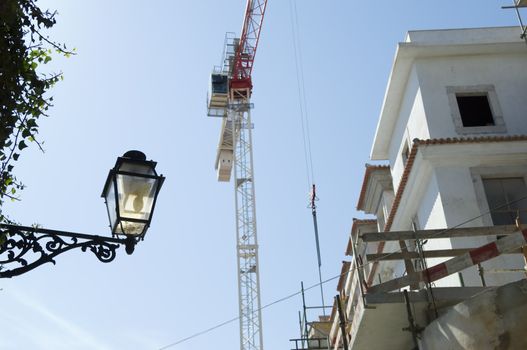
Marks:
<point>478,174</point>
<point>476,90</point>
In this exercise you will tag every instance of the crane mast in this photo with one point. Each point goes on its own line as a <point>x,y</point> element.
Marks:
<point>230,99</point>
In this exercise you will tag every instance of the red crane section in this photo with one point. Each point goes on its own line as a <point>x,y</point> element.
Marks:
<point>246,50</point>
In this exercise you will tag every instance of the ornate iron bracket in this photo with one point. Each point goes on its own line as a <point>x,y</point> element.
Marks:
<point>24,248</point>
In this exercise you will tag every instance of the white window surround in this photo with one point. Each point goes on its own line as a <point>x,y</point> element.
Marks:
<point>476,90</point>
<point>492,172</point>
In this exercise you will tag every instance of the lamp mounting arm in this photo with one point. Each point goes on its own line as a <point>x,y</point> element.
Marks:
<point>24,248</point>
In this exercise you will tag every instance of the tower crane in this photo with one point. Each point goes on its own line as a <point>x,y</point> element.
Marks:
<point>229,98</point>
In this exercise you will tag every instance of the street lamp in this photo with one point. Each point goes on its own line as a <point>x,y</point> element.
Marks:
<point>130,193</point>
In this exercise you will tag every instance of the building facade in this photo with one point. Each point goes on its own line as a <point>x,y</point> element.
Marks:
<point>453,135</point>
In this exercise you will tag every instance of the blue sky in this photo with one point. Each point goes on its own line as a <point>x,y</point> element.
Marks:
<point>139,81</point>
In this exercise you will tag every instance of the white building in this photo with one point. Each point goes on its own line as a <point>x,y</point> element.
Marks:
<point>453,129</point>
<point>462,94</point>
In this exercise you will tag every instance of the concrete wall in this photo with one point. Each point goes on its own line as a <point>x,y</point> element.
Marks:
<point>450,196</point>
<point>431,214</point>
<point>411,123</point>
<point>494,319</point>
<point>460,203</point>
<point>426,111</point>
<point>463,36</point>
<point>506,73</point>
<point>444,188</point>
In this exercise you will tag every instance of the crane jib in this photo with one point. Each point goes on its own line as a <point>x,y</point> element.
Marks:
<point>246,51</point>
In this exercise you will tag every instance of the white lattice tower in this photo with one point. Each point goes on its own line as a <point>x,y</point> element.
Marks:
<point>246,238</point>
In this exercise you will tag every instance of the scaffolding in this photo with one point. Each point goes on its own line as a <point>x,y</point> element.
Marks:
<point>411,301</point>
<point>314,335</point>
<point>518,6</point>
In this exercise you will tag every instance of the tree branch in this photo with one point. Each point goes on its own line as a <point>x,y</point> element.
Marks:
<point>42,37</point>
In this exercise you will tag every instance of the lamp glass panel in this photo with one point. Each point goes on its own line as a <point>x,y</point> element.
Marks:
<point>136,198</point>
<point>130,228</point>
<point>137,168</point>
<point>110,204</point>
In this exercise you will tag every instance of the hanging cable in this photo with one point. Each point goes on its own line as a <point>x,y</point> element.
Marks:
<point>300,292</point>
<point>306,138</point>
<point>315,225</point>
<point>301,91</point>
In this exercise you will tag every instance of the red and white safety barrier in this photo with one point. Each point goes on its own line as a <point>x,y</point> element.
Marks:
<point>476,256</point>
<point>459,263</point>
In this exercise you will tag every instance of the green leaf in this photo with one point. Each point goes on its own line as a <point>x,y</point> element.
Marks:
<point>22,145</point>
<point>31,123</point>
<point>23,89</point>
<point>26,133</point>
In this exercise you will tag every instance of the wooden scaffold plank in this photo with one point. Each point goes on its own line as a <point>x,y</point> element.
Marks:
<point>440,233</point>
<point>473,257</point>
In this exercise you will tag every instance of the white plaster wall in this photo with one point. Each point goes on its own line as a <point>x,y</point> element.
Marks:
<point>411,123</point>
<point>430,209</point>
<point>444,196</point>
<point>458,198</point>
<point>506,72</point>
<point>387,202</point>
<point>427,207</point>
<point>459,205</point>
<point>425,110</point>
<point>448,200</point>
<point>430,216</point>
<point>463,36</point>
<point>443,192</point>
<point>425,113</point>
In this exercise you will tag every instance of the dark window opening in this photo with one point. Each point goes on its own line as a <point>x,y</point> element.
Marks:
<point>475,110</point>
<point>507,199</point>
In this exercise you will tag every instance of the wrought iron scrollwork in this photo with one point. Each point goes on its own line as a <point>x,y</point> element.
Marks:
<point>24,248</point>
